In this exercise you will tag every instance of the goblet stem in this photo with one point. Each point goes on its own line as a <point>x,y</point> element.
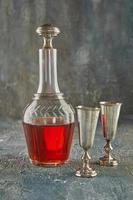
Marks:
<point>86,170</point>
<point>85,161</point>
<point>108,148</point>
<point>107,159</point>
<point>87,155</point>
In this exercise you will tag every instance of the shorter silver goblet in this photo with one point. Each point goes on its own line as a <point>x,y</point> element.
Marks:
<point>87,122</point>
<point>110,112</point>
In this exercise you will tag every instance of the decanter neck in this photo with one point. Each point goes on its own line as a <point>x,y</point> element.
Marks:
<point>48,71</point>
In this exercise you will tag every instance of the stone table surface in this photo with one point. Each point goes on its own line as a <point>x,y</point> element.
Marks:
<point>23,181</point>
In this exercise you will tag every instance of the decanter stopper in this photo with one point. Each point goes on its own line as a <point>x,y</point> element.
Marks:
<point>48,31</point>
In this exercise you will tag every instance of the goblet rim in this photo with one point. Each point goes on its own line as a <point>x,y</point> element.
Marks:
<point>109,103</point>
<point>81,107</point>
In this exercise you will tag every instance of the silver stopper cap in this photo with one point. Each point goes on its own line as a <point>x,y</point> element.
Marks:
<point>47,31</point>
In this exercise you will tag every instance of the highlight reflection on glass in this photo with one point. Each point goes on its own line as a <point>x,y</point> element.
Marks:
<point>110,112</point>
<point>87,119</point>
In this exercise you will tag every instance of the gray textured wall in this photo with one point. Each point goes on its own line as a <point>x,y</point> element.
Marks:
<point>95,50</point>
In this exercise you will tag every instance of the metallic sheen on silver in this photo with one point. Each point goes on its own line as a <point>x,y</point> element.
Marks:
<point>87,119</point>
<point>110,112</point>
<point>48,31</point>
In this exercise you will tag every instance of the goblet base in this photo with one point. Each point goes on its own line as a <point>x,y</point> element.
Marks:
<point>88,173</point>
<point>104,161</point>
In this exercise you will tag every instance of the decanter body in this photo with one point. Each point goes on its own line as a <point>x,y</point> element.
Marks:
<point>49,119</point>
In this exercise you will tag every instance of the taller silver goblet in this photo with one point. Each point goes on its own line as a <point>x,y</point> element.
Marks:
<point>110,112</point>
<point>87,121</point>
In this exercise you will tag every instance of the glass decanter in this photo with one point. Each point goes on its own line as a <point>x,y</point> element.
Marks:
<point>48,120</point>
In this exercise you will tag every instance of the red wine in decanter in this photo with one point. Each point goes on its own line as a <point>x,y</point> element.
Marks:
<point>48,144</point>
